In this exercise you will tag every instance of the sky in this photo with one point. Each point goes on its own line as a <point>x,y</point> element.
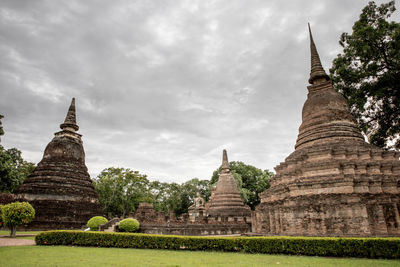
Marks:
<point>162,87</point>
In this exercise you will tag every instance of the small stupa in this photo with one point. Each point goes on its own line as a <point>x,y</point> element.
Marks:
<point>226,200</point>
<point>334,183</point>
<point>60,188</point>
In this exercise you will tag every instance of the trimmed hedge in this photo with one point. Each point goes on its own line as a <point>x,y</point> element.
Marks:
<point>128,225</point>
<point>1,216</point>
<point>388,248</point>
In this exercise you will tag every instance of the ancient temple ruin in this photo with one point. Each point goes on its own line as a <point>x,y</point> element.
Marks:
<point>226,200</point>
<point>334,183</point>
<point>60,188</point>
<point>197,209</point>
<point>224,214</point>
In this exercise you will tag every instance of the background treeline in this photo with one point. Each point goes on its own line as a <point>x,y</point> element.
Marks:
<point>121,190</point>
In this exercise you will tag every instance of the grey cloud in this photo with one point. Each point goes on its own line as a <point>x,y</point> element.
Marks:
<point>163,86</point>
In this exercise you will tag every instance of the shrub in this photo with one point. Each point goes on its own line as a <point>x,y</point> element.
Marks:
<point>95,222</point>
<point>1,219</point>
<point>17,213</point>
<point>128,225</point>
<point>312,246</point>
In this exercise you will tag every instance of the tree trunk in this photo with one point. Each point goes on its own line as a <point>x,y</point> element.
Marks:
<point>13,230</point>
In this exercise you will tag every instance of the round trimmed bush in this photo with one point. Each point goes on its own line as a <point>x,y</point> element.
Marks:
<point>128,225</point>
<point>95,222</point>
<point>15,214</point>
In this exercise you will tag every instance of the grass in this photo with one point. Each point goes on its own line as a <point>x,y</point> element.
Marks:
<point>25,237</point>
<point>7,232</point>
<point>89,256</point>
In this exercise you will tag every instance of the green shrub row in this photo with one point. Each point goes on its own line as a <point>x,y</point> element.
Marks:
<point>313,246</point>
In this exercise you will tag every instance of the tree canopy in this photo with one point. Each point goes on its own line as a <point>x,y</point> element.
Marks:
<point>121,190</point>
<point>13,169</point>
<point>367,73</point>
<point>1,127</point>
<point>250,180</point>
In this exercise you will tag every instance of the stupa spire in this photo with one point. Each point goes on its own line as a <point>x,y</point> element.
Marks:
<point>317,71</point>
<point>70,119</point>
<point>225,162</point>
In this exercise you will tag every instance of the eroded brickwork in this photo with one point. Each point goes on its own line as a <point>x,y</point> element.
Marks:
<point>334,183</point>
<point>60,188</point>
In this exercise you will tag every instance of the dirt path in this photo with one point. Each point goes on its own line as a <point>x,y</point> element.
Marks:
<point>4,242</point>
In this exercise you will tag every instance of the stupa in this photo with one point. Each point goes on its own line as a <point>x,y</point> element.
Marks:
<point>60,188</point>
<point>226,200</point>
<point>334,183</point>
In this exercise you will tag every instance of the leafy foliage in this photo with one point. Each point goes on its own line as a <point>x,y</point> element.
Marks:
<point>250,180</point>
<point>17,213</point>
<point>177,198</point>
<point>121,190</point>
<point>1,127</point>
<point>128,225</point>
<point>1,215</point>
<point>367,73</point>
<point>95,222</point>
<point>313,246</point>
<point>13,169</point>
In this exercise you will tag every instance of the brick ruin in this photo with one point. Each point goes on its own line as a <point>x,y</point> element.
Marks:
<point>60,188</point>
<point>224,214</point>
<point>334,183</point>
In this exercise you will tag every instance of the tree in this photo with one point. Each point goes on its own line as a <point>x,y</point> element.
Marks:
<point>121,190</point>
<point>177,198</point>
<point>1,127</point>
<point>367,73</point>
<point>250,181</point>
<point>17,213</point>
<point>188,192</point>
<point>13,169</point>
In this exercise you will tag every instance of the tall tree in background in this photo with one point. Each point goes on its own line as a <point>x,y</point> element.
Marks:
<point>177,198</point>
<point>13,169</point>
<point>121,190</point>
<point>250,181</point>
<point>367,73</point>
<point>1,127</point>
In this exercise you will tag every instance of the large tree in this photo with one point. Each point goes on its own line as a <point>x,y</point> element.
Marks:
<point>13,169</point>
<point>250,181</point>
<point>121,190</point>
<point>177,198</point>
<point>367,73</point>
<point>1,127</point>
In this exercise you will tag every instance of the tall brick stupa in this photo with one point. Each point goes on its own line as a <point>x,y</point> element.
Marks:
<point>334,183</point>
<point>60,188</point>
<point>226,200</point>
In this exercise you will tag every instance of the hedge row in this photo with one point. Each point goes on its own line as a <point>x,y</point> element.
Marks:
<point>314,246</point>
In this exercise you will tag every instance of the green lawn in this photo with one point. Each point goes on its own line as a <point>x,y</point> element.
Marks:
<point>86,256</point>
<point>7,232</point>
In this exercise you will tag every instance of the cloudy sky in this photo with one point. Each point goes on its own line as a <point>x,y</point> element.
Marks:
<point>163,86</point>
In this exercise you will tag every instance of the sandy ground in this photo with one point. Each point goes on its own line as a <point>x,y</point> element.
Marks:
<point>5,241</point>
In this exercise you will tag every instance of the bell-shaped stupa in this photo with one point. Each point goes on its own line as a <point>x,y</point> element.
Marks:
<point>226,200</point>
<point>60,188</point>
<point>334,183</point>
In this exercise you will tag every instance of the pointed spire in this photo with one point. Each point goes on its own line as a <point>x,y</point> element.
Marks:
<point>225,162</point>
<point>70,119</point>
<point>317,71</point>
